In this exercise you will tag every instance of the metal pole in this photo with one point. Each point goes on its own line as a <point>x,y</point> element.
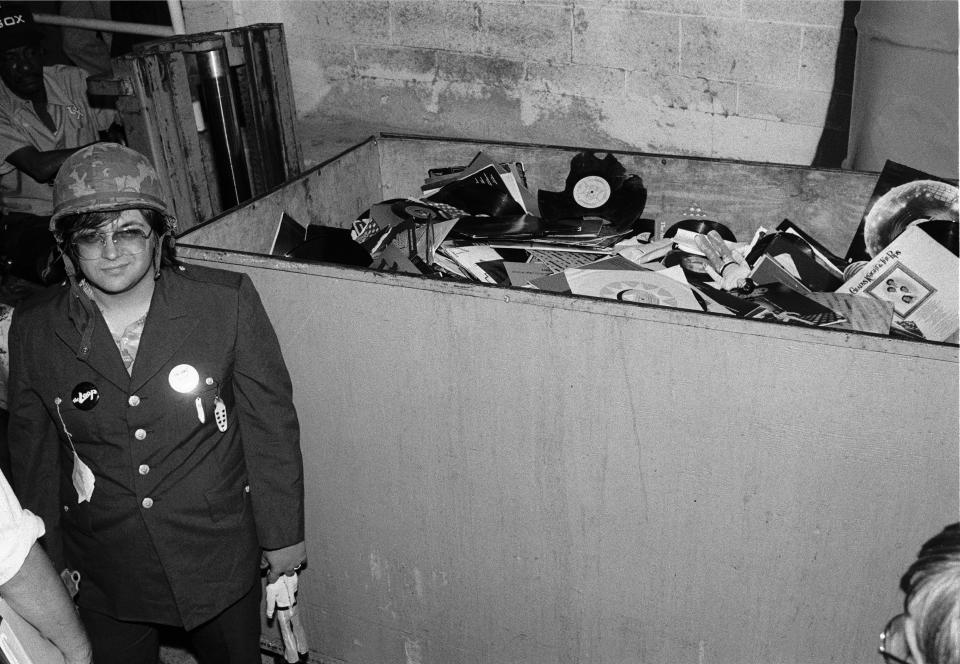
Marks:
<point>176,16</point>
<point>108,26</point>
<point>221,119</point>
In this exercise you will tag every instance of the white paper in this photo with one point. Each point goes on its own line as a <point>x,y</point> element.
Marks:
<point>919,277</point>
<point>644,253</point>
<point>468,256</point>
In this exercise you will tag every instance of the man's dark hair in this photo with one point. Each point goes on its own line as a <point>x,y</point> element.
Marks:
<point>69,225</point>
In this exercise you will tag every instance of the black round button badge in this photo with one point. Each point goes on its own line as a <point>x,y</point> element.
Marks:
<point>85,396</point>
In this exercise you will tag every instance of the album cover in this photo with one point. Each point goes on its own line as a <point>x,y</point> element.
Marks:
<point>289,235</point>
<point>829,260</point>
<point>863,314</point>
<point>794,253</point>
<point>777,301</point>
<point>638,285</point>
<point>482,193</point>
<point>895,175</point>
<point>513,174</point>
<point>769,270</point>
<point>920,279</point>
<point>520,274</point>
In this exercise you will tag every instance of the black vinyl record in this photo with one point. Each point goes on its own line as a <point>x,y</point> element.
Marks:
<point>514,227</point>
<point>477,198</point>
<point>415,211</point>
<point>901,206</point>
<point>331,245</point>
<point>888,214</point>
<point>596,188</point>
<point>944,231</point>
<point>702,226</point>
<point>760,246</point>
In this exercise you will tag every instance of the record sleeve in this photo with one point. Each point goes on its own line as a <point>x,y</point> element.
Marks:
<point>894,219</point>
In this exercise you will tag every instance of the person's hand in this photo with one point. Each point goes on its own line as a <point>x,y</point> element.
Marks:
<point>287,560</point>
<point>728,268</point>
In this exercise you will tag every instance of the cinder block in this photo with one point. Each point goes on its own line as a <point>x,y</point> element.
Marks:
<point>339,59</point>
<point>729,8</point>
<point>750,139</point>
<point>449,25</point>
<point>626,39</point>
<point>210,16</point>
<point>525,31</point>
<point>351,22</point>
<point>338,65</point>
<point>398,63</point>
<point>818,56</point>
<point>465,110</point>
<point>571,79</point>
<point>653,128</point>
<point>684,93</point>
<point>740,50</point>
<point>556,119</point>
<point>806,107</point>
<point>381,102</point>
<point>803,12</point>
<point>478,69</point>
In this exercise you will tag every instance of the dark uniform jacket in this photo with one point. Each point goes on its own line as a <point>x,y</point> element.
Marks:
<point>180,511</point>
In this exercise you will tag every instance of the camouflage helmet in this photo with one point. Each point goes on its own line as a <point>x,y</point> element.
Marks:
<point>104,177</point>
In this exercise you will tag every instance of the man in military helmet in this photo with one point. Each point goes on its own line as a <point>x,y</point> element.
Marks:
<point>152,424</point>
<point>45,116</point>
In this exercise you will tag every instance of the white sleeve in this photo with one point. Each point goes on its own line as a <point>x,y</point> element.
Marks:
<point>19,529</point>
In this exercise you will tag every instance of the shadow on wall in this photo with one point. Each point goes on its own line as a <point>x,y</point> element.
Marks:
<point>832,148</point>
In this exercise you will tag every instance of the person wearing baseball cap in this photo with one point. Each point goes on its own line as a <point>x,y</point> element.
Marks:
<point>45,116</point>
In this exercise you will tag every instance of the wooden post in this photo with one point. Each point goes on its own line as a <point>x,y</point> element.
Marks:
<point>156,89</point>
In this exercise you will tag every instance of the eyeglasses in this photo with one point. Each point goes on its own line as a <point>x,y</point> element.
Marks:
<point>128,241</point>
<point>893,641</point>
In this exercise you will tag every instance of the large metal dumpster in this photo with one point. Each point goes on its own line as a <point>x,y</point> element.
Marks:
<point>504,475</point>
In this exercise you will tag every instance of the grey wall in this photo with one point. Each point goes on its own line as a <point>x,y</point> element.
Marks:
<point>742,79</point>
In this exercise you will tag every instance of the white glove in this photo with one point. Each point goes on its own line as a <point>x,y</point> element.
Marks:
<point>282,599</point>
<point>728,268</point>
<point>282,594</point>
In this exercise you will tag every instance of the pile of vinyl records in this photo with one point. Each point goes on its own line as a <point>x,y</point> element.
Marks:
<point>481,223</point>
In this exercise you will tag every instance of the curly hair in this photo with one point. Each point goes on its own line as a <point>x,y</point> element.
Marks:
<point>932,597</point>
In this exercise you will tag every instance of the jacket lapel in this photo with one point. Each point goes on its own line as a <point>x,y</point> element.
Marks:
<point>103,356</point>
<point>168,326</point>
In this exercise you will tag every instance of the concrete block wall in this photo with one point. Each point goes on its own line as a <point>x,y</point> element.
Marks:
<point>741,79</point>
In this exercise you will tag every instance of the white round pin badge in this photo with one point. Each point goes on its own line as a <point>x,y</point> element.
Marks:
<point>184,378</point>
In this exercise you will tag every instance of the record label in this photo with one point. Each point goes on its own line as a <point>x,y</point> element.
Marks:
<point>420,212</point>
<point>591,192</point>
<point>409,210</point>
